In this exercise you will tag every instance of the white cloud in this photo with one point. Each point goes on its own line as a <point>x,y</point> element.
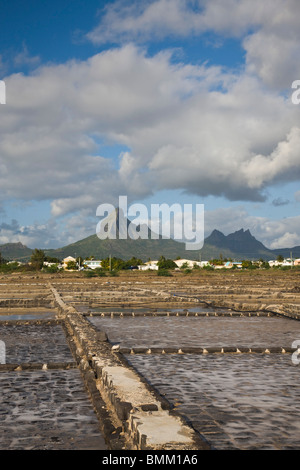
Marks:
<point>24,58</point>
<point>269,30</point>
<point>50,234</point>
<point>124,20</point>
<point>200,129</point>
<point>29,235</point>
<point>287,240</point>
<point>157,19</point>
<point>284,160</point>
<point>182,132</point>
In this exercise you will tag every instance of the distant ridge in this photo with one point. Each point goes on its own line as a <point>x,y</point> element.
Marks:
<point>238,245</point>
<point>15,251</point>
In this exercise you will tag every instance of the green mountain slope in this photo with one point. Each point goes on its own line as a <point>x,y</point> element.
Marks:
<point>237,246</point>
<point>125,249</point>
<point>15,251</point>
<point>287,252</point>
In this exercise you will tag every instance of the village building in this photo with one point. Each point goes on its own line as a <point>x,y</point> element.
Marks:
<point>66,260</point>
<point>92,263</point>
<point>152,265</point>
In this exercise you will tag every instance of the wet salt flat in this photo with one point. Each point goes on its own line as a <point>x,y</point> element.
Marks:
<point>47,410</point>
<point>199,331</point>
<point>236,401</point>
<point>242,402</point>
<point>145,310</point>
<point>35,343</point>
<point>44,409</point>
<point>28,316</point>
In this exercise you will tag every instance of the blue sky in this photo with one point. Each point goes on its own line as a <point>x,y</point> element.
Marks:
<point>177,101</point>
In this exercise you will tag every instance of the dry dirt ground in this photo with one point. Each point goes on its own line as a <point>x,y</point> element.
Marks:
<point>240,290</point>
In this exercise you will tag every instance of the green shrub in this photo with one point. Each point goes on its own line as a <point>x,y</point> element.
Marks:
<point>51,269</point>
<point>113,273</point>
<point>163,272</point>
<point>208,267</point>
<point>89,273</point>
<point>100,272</point>
<point>164,263</point>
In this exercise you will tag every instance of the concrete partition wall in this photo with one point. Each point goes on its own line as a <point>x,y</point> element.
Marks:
<point>139,417</point>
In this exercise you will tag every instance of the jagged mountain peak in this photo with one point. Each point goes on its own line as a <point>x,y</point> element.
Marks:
<point>242,234</point>
<point>241,242</point>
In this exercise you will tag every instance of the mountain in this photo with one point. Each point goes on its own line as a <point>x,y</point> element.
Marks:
<point>288,252</point>
<point>117,243</point>
<point>238,245</point>
<point>15,251</point>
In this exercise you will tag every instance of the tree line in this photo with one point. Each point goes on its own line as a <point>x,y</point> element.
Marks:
<point>39,260</point>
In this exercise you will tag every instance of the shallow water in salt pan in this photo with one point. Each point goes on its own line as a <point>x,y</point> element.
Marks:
<point>245,402</point>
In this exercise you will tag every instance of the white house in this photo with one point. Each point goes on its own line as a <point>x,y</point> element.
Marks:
<point>202,263</point>
<point>149,265</point>
<point>92,263</point>
<point>184,262</point>
<point>189,263</point>
<point>285,262</point>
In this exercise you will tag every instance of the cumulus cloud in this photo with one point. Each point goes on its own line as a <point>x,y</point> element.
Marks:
<point>51,234</point>
<point>282,163</point>
<point>13,232</point>
<point>199,128</point>
<point>269,30</point>
<point>156,19</point>
<point>183,130</point>
<point>141,20</point>
<point>24,58</point>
